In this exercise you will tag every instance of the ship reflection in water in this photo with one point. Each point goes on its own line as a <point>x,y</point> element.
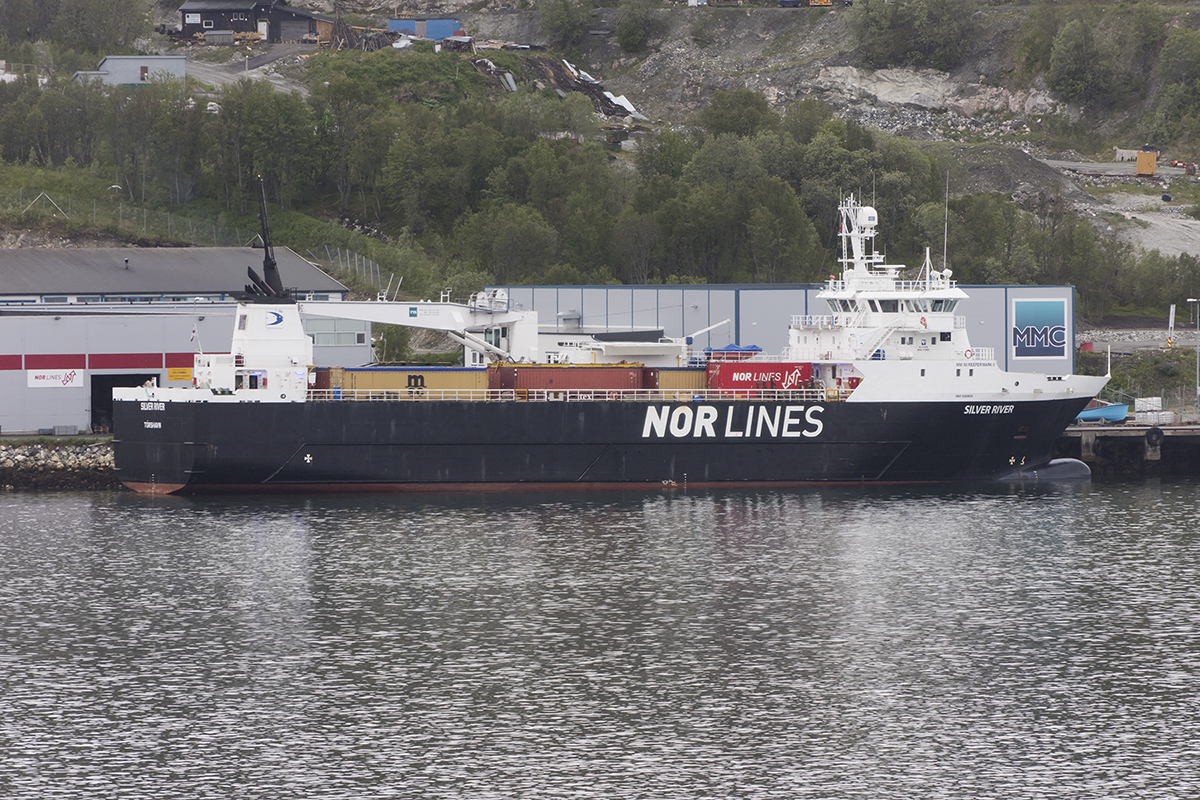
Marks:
<point>874,642</point>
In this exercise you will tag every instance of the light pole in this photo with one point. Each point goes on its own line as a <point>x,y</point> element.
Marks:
<point>1196,302</point>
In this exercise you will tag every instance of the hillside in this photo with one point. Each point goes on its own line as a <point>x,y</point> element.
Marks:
<point>749,140</point>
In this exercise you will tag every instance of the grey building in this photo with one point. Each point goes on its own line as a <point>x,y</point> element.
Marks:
<point>134,70</point>
<point>74,323</point>
<point>1032,328</point>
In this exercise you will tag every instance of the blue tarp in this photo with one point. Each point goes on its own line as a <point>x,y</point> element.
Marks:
<point>433,28</point>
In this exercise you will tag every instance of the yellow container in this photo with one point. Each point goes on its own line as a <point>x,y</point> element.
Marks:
<point>686,379</point>
<point>396,379</point>
<point>1147,163</point>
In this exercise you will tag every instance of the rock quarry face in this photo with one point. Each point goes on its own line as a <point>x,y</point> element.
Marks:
<point>785,54</point>
<point>931,90</point>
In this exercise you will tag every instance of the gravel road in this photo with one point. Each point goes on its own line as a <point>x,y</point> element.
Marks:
<point>1145,220</point>
<point>256,68</point>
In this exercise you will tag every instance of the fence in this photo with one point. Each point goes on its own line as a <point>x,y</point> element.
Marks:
<point>129,218</point>
<point>1167,407</point>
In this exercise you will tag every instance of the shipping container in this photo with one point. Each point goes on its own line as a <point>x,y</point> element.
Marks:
<point>396,379</point>
<point>748,375</point>
<point>682,379</point>
<point>567,378</point>
<point>319,378</point>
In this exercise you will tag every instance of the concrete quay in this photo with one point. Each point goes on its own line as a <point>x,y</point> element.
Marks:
<point>1129,450</point>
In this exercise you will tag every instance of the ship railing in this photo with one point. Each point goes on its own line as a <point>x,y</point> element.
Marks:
<point>983,354</point>
<point>830,321</point>
<point>801,394</point>
<point>881,283</point>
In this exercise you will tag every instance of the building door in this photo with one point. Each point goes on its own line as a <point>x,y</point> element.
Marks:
<point>264,28</point>
<point>293,30</point>
<point>102,402</point>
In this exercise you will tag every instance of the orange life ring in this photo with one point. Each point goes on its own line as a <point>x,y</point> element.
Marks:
<point>966,353</point>
<point>924,324</point>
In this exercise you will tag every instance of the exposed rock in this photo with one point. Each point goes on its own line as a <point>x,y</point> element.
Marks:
<point>38,466</point>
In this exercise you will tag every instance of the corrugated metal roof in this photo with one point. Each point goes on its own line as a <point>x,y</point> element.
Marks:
<point>226,5</point>
<point>152,270</point>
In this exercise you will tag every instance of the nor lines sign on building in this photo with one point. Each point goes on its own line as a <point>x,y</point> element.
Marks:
<point>1039,328</point>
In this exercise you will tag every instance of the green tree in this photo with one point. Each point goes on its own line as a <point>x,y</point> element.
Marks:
<point>742,112</point>
<point>639,24</point>
<point>1179,60</point>
<point>510,241</point>
<point>1148,32</point>
<point>28,20</point>
<point>665,154</point>
<point>728,160</point>
<point>344,106</point>
<point>176,138</point>
<point>802,120</point>
<point>239,140</point>
<point>99,25</point>
<point>563,22</point>
<point>782,240</point>
<point>368,157</point>
<point>391,343</point>
<point>933,33</point>
<point>633,243</point>
<point>1081,68</point>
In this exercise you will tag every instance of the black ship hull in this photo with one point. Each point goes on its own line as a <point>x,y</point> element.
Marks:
<point>173,447</point>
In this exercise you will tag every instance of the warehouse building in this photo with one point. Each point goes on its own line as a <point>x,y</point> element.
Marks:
<point>76,322</point>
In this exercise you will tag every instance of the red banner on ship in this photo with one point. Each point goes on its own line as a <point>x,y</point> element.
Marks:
<point>742,375</point>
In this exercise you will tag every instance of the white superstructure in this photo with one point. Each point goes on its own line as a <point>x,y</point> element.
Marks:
<point>887,339</point>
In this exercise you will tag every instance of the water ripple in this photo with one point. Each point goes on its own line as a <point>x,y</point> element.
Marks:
<point>850,643</point>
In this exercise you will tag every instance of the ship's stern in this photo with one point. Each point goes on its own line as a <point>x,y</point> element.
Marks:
<point>153,448</point>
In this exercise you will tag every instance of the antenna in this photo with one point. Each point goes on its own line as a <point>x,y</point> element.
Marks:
<point>946,223</point>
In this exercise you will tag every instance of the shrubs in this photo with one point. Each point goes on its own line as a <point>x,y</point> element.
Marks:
<point>639,24</point>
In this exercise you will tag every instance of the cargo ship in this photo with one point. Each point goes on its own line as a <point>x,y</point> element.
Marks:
<point>886,387</point>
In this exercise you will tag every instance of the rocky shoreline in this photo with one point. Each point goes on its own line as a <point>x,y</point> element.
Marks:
<point>39,466</point>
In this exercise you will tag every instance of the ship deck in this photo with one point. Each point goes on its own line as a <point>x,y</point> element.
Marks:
<point>549,395</point>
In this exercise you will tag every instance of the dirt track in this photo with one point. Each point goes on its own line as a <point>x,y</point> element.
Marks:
<point>256,68</point>
<point>1153,223</point>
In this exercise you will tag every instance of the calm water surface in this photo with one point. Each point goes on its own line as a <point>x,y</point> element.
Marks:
<point>858,643</point>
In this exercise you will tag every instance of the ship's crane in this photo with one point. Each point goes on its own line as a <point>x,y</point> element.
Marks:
<point>270,284</point>
<point>485,311</point>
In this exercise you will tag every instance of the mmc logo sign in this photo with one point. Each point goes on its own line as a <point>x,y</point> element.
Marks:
<point>1039,329</point>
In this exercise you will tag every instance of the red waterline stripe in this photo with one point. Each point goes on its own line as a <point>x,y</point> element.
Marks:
<point>10,362</point>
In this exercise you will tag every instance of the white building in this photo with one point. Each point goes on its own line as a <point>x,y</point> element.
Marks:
<point>134,70</point>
